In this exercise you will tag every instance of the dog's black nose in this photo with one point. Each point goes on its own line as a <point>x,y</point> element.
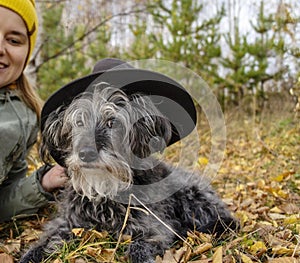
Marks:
<point>88,154</point>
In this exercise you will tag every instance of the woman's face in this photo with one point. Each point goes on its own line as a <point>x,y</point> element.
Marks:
<point>14,46</point>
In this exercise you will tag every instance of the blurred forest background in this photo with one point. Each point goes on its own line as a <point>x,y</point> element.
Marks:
<point>247,51</point>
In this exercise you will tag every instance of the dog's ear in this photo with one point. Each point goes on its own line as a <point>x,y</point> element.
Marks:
<point>55,140</point>
<point>151,131</point>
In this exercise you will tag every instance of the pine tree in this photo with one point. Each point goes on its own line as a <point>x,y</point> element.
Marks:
<point>62,59</point>
<point>69,54</point>
<point>235,65</point>
<point>174,31</point>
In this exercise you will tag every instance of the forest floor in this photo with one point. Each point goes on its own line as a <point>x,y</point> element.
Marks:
<point>259,179</point>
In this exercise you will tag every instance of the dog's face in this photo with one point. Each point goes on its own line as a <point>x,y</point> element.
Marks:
<point>103,136</point>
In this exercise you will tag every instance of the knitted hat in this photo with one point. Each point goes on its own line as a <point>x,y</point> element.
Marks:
<point>26,10</point>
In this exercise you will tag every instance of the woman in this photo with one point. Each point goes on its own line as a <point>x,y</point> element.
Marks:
<point>19,116</point>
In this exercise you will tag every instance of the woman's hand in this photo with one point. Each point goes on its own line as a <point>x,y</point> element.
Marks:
<point>54,178</point>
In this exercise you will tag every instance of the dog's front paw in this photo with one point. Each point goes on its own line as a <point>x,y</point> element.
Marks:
<point>144,252</point>
<point>32,256</point>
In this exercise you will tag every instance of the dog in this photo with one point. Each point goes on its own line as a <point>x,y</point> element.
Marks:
<point>108,140</point>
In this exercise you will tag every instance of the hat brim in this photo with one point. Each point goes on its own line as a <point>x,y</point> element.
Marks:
<point>173,101</point>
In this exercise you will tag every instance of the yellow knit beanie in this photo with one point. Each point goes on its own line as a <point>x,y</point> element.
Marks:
<point>25,9</point>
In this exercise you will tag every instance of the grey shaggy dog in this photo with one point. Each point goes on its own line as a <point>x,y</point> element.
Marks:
<point>106,138</point>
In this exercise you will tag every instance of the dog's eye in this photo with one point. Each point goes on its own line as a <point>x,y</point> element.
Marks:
<point>110,123</point>
<point>79,123</point>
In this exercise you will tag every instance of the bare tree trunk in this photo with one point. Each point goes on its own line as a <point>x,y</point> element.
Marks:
<point>35,60</point>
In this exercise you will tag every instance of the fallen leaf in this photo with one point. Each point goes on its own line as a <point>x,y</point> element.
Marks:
<point>279,178</point>
<point>13,245</point>
<point>291,220</point>
<point>200,261</point>
<point>100,235</point>
<point>283,260</point>
<point>30,235</point>
<point>279,250</point>
<point>5,258</point>
<point>102,255</point>
<point>218,255</point>
<point>297,228</point>
<point>244,258</point>
<point>276,210</point>
<point>203,161</point>
<point>263,228</point>
<point>276,216</point>
<point>274,241</point>
<point>171,256</point>
<point>285,234</point>
<point>258,248</point>
<point>290,208</point>
<point>202,248</point>
<point>261,183</point>
<point>78,231</point>
<point>228,259</point>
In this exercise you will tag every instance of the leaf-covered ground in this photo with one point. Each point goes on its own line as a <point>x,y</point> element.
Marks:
<point>259,180</point>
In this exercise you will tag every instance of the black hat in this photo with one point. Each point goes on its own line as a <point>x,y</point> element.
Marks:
<point>173,101</point>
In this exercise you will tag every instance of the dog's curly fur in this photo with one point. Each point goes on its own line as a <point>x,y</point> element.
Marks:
<point>106,139</point>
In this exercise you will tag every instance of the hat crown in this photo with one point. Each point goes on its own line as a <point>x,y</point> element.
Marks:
<point>170,98</point>
<point>33,2</point>
<point>110,63</point>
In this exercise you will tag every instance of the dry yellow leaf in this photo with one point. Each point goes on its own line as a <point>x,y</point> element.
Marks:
<point>290,208</point>
<point>171,256</point>
<point>282,194</point>
<point>13,245</point>
<point>242,216</point>
<point>279,250</point>
<point>98,234</point>
<point>240,187</point>
<point>218,255</point>
<point>78,231</point>
<point>276,210</point>
<point>283,260</point>
<point>202,237</point>
<point>297,228</point>
<point>199,261</point>
<point>293,219</point>
<point>279,178</point>
<point>261,183</point>
<point>244,258</point>
<point>275,216</point>
<point>203,160</point>
<point>5,258</point>
<point>202,248</point>
<point>29,235</point>
<point>102,255</point>
<point>258,247</point>
<point>229,259</point>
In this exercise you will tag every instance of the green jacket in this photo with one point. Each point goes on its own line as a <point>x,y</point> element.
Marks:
<point>19,194</point>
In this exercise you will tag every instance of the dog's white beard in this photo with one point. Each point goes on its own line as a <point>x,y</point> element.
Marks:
<point>96,184</point>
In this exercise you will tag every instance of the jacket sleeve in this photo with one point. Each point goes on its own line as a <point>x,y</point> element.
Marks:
<point>23,195</point>
<point>19,193</point>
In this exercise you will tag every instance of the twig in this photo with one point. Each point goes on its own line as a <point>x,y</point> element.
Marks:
<point>296,247</point>
<point>122,229</point>
<point>271,151</point>
<point>158,219</point>
<point>146,211</point>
